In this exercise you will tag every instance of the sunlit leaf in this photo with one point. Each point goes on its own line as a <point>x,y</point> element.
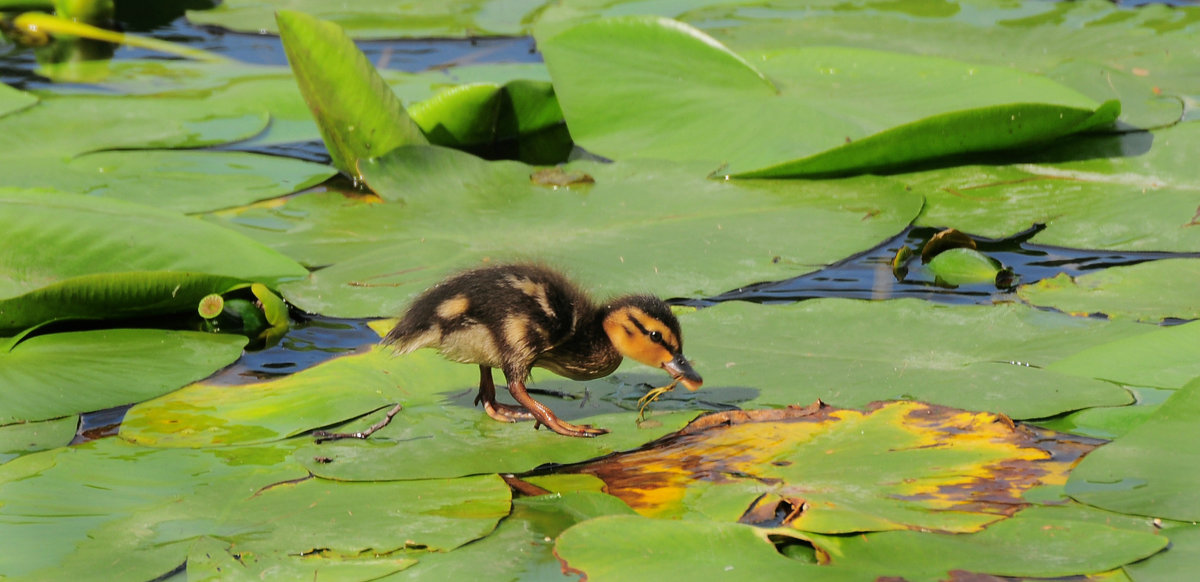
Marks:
<point>449,441</point>
<point>357,112</point>
<point>329,393</point>
<point>13,100</point>
<point>1167,357</point>
<point>380,18</point>
<point>1149,291</point>
<point>69,256</point>
<point>901,465</point>
<point>1177,564</point>
<point>963,266</point>
<point>19,439</point>
<point>1140,473</point>
<point>650,237</point>
<point>1133,192</point>
<point>1047,546</point>
<point>48,376</point>
<point>696,100</point>
<point>849,353</point>
<point>212,559</point>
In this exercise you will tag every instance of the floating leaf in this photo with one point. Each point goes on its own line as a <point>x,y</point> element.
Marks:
<point>901,465</point>
<point>13,100</point>
<point>1177,564</point>
<point>1048,546</point>
<point>1167,357</point>
<point>380,18</point>
<point>846,353</point>
<point>1133,192</point>
<point>721,235</point>
<point>357,113</point>
<point>212,559</point>
<point>19,439</point>
<point>449,441</point>
<point>1149,291</point>
<point>963,266</point>
<point>1137,474</point>
<point>329,393</point>
<point>71,256</point>
<point>696,100</point>
<point>53,375</point>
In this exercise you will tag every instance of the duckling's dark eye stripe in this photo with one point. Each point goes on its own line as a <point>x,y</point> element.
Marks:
<point>654,337</point>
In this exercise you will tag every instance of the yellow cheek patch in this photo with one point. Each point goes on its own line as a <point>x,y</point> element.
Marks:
<point>632,342</point>
<point>453,307</point>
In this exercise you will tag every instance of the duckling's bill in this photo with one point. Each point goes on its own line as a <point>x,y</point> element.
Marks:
<point>681,370</point>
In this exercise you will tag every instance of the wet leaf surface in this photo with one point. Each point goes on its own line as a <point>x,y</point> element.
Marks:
<point>899,465</point>
<point>1150,291</point>
<point>849,353</point>
<point>721,235</point>
<point>1137,474</point>
<point>723,110</point>
<point>49,376</point>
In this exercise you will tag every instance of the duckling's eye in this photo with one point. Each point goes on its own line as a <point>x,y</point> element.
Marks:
<point>656,337</point>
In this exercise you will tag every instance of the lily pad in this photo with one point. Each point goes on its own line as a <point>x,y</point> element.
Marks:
<point>619,547</point>
<point>373,19</point>
<point>721,235</point>
<point>442,441</point>
<point>850,353</point>
<point>19,439</point>
<point>211,559</point>
<point>71,256</point>
<point>13,100</point>
<point>48,376</point>
<point>1047,548</point>
<point>1167,357</point>
<point>831,470</point>
<point>326,394</point>
<point>1150,291</point>
<point>1136,193</point>
<point>697,100</point>
<point>1137,474</point>
<point>357,113</point>
<point>964,266</point>
<point>1177,564</point>
<point>68,508</point>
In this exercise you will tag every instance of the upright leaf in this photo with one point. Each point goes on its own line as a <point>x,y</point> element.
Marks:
<point>357,113</point>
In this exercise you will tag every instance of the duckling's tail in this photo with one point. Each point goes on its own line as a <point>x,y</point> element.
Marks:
<point>409,336</point>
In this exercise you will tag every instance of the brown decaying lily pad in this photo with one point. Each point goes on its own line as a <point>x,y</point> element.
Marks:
<point>896,465</point>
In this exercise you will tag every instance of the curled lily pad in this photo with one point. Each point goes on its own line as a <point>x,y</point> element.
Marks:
<point>964,266</point>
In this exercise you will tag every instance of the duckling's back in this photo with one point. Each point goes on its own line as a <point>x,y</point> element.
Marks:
<point>501,316</point>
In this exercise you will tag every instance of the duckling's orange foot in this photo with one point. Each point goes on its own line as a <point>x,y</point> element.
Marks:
<point>505,412</point>
<point>572,430</point>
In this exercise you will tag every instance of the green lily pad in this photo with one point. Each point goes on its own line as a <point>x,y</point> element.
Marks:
<point>184,181</point>
<point>649,237</point>
<point>696,100</point>
<point>1047,547</point>
<point>1110,422</point>
<point>1175,564</point>
<point>840,471</point>
<point>326,394</point>
<point>1137,192</point>
<point>211,559</point>
<point>48,376</point>
<point>1167,357</point>
<point>373,19</point>
<point>357,112</point>
<point>1137,474</point>
<point>964,266</point>
<point>13,100</point>
<point>1150,291</point>
<point>29,437</point>
<point>119,123</point>
<point>68,508</point>
<point>620,547</point>
<point>850,353</point>
<point>448,441</point>
<point>70,256</point>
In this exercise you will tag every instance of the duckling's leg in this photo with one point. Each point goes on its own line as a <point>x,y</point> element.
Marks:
<point>546,416</point>
<point>497,410</point>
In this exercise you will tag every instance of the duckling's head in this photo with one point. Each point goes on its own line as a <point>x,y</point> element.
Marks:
<point>642,327</point>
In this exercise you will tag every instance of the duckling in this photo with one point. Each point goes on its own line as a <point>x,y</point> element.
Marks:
<point>518,316</point>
